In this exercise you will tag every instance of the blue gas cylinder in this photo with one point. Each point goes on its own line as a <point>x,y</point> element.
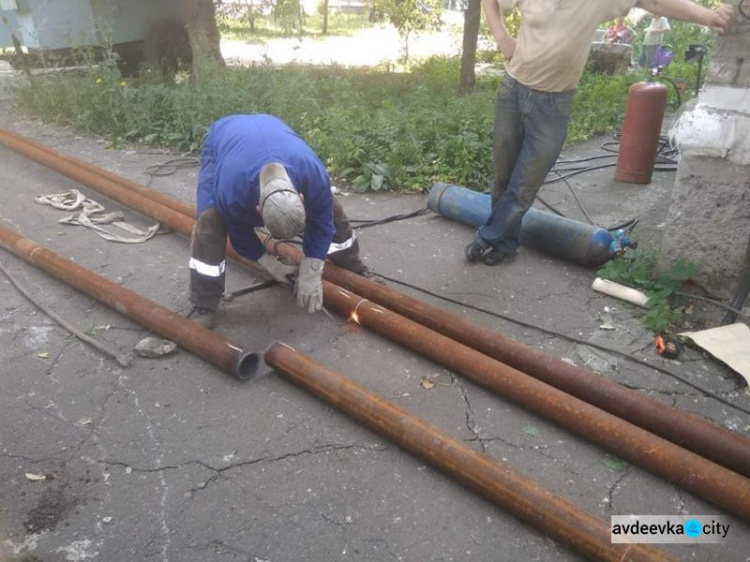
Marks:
<point>565,238</point>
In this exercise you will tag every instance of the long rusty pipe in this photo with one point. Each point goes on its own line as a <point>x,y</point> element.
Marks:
<point>688,430</point>
<point>206,344</point>
<point>14,141</point>
<point>526,499</point>
<point>165,215</point>
<point>170,212</point>
<point>704,478</point>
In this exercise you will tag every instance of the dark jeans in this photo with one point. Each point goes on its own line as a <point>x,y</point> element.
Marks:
<point>529,133</point>
<point>648,53</point>
<point>208,253</point>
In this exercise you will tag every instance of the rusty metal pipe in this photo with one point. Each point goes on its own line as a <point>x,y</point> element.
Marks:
<point>206,344</point>
<point>683,428</point>
<point>165,215</point>
<point>705,479</point>
<point>526,499</point>
<point>688,430</point>
<point>9,138</point>
<point>170,212</point>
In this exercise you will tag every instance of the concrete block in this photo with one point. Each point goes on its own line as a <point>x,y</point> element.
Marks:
<point>709,221</point>
<point>610,58</point>
<point>730,60</point>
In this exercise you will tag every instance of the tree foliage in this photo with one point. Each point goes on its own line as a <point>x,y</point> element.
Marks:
<point>247,10</point>
<point>290,15</point>
<point>408,16</point>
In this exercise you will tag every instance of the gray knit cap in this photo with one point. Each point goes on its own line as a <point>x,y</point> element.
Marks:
<point>280,205</point>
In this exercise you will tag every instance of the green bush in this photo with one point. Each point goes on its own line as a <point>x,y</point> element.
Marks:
<point>374,129</point>
<point>599,104</point>
<point>637,269</point>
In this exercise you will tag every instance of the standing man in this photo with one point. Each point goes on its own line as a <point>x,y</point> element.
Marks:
<point>534,102</point>
<point>256,171</point>
<point>653,39</point>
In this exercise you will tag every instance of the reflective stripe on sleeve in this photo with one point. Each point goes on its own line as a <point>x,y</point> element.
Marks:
<point>207,269</point>
<point>345,245</point>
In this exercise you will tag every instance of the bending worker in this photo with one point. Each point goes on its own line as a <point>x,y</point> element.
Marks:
<point>534,101</point>
<point>256,171</point>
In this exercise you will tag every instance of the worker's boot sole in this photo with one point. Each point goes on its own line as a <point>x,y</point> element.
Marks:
<point>495,257</point>
<point>475,250</point>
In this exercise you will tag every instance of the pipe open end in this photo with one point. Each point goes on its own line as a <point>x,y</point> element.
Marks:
<point>247,366</point>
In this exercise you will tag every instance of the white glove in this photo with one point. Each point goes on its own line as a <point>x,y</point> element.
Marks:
<point>277,269</point>
<point>309,287</point>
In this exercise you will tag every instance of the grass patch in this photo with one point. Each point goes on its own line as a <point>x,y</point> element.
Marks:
<point>637,269</point>
<point>411,129</point>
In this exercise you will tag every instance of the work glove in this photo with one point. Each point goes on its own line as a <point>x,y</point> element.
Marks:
<point>277,269</point>
<point>309,287</point>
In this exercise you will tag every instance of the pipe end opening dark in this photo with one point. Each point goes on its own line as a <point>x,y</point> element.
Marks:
<point>247,366</point>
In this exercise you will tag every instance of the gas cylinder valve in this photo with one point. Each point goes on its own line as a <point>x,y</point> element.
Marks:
<point>621,242</point>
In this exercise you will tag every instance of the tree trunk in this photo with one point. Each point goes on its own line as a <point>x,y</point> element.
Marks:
<point>325,17</point>
<point>251,15</point>
<point>200,21</point>
<point>469,53</point>
<point>406,47</point>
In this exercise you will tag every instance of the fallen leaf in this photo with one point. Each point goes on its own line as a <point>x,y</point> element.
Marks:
<point>531,430</point>
<point>614,463</point>
<point>35,477</point>
<point>427,383</point>
<point>43,354</point>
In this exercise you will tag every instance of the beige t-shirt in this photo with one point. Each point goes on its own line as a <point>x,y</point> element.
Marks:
<point>652,37</point>
<point>555,39</point>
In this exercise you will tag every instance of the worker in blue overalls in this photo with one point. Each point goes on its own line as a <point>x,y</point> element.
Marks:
<point>255,172</point>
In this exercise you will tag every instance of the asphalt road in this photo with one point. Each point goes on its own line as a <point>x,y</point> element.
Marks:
<point>171,459</point>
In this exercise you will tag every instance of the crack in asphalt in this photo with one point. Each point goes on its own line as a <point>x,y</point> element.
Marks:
<point>540,449</point>
<point>669,393</point>
<point>296,425</point>
<point>219,471</point>
<point>33,460</point>
<point>468,411</point>
<point>44,410</point>
<point>614,486</point>
<point>164,530</point>
<point>554,459</point>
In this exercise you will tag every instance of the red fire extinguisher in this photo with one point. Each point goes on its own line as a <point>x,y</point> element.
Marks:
<point>639,143</point>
